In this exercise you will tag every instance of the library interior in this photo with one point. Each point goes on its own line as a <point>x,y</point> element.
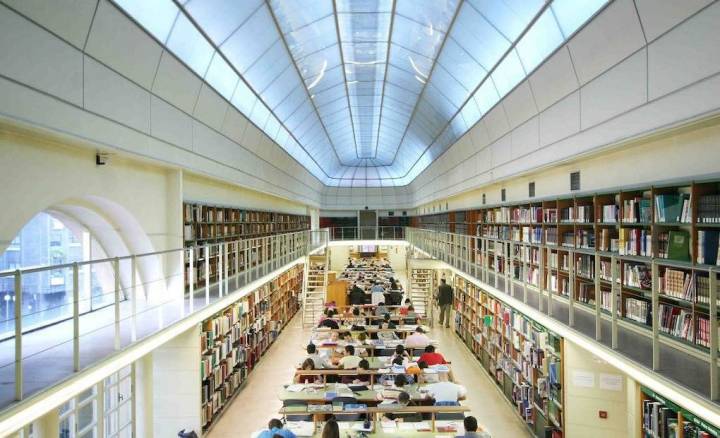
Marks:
<point>359,218</point>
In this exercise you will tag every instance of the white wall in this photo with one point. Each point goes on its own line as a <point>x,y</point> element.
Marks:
<point>584,402</point>
<point>98,77</point>
<point>339,257</point>
<point>682,155</point>
<point>176,388</point>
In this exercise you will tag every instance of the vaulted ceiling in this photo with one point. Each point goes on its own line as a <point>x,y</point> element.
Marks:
<point>363,93</point>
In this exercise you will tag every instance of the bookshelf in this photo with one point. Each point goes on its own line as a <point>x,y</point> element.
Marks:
<point>610,250</point>
<point>233,340</point>
<point>205,226</point>
<point>663,418</point>
<point>524,359</point>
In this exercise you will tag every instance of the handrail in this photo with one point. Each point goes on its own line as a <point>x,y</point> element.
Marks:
<point>141,294</point>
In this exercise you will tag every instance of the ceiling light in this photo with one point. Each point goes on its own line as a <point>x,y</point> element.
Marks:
<point>415,67</point>
<point>422,81</point>
<point>364,63</point>
<point>320,76</point>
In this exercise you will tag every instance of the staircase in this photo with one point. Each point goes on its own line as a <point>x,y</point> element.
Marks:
<point>315,288</point>
<point>421,290</point>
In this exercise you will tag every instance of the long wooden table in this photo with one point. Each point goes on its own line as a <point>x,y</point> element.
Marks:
<point>372,373</point>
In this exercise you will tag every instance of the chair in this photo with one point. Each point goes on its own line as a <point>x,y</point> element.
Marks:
<point>449,415</point>
<point>346,417</point>
<point>300,417</point>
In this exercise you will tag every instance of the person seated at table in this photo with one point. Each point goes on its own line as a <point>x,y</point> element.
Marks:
<point>319,361</point>
<point>381,309</point>
<point>308,378</point>
<point>401,353</point>
<point>331,429</point>
<point>387,322</point>
<point>417,340</point>
<point>471,429</point>
<point>356,320</point>
<point>404,400</point>
<point>357,295</point>
<point>349,361</point>
<point>361,378</point>
<point>328,321</point>
<point>405,307</point>
<point>431,357</point>
<point>393,284</point>
<point>275,428</point>
<point>350,264</point>
<point>411,317</point>
<point>395,298</point>
<point>377,293</point>
<point>446,393</point>
<point>427,375</point>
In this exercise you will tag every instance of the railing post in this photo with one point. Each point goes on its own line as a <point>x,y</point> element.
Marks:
<point>598,301</point>
<point>18,337</point>
<point>246,261</point>
<point>613,303</point>
<point>541,277</point>
<point>207,274</point>
<point>226,267</point>
<point>548,252</point>
<point>116,269</point>
<point>655,319</point>
<point>220,269</point>
<point>571,288</point>
<point>133,297</point>
<point>76,317</point>
<point>713,336</point>
<point>526,258</point>
<point>237,264</point>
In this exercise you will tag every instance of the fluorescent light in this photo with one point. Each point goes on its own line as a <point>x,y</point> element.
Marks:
<point>364,63</point>
<point>320,76</point>
<point>422,81</point>
<point>415,67</point>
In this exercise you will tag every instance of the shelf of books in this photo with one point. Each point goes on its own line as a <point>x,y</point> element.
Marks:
<point>523,358</point>
<point>661,418</point>
<point>233,340</point>
<point>669,234</point>
<point>206,226</point>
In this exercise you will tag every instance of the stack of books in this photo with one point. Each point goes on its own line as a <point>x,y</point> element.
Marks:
<point>709,209</point>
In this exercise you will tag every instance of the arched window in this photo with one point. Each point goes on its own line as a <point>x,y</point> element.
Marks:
<point>48,239</point>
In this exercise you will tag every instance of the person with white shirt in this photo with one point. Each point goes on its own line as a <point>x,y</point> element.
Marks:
<point>446,393</point>
<point>349,361</point>
<point>318,360</point>
<point>377,294</point>
<point>417,340</point>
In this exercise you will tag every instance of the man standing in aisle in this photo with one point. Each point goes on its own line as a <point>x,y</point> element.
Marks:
<point>445,301</point>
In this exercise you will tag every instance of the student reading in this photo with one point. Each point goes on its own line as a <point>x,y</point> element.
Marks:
<point>275,427</point>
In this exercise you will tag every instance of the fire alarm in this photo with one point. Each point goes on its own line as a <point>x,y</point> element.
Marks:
<point>602,414</point>
<point>101,158</point>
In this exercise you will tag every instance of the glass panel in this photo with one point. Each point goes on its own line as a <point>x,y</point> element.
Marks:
<point>364,5</point>
<point>251,40</point>
<point>509,16</point>
<point>221,76</point>
<point>268,67</point>
<point>293,15</point>
<point>86,415</point>
<point>219,18</point>
<point>471,113</point>
<point>88,393</point>
<point>89,434</point>
<point>571,14</point>
<point>435,14</point>
<point>111,423</point>
<point>311,38</point>
<point>421,39</point>
<point>66,428</point>
<point>486,96</point>
<point>364,27</point>
<point>478,37</point>
<point>508,73</point>
<point>463,67</point>
<point>243,98</point>
<point>190,46</point>
<point>155,16</point>
<point>539,42</point>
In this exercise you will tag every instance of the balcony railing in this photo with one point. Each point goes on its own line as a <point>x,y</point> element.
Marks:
<point>367,233</point>
<point>141,294</point>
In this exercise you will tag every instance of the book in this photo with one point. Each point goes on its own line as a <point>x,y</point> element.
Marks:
<point>708,242</point>
<point>679,246</point>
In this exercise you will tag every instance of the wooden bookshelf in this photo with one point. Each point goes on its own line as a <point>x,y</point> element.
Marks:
<point>205,224</point>
<point>523,358</point>
<point>568,245</point>
<point>663,418</point>
<point>233,340</point>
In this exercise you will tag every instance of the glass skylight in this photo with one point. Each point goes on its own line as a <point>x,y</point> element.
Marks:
<point>363,93</point>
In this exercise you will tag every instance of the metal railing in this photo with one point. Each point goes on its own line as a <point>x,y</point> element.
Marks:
<point>143,293</point>
<point>507,264</point>
<point>367,233</point>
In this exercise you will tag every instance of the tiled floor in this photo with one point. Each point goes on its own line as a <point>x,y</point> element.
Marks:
<point>258,402</point>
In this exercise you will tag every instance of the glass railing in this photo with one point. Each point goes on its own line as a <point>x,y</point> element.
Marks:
<point>367,233</point>
<point>103,306</point>
<point>561,281</point>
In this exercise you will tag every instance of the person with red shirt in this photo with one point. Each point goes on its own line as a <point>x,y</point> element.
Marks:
<point>432,358</point>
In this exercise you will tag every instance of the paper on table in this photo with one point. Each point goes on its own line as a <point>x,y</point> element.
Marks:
<point>297,387</point>
<point>406,426</point>
<point>423,426</point>
<point>301,428</point>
